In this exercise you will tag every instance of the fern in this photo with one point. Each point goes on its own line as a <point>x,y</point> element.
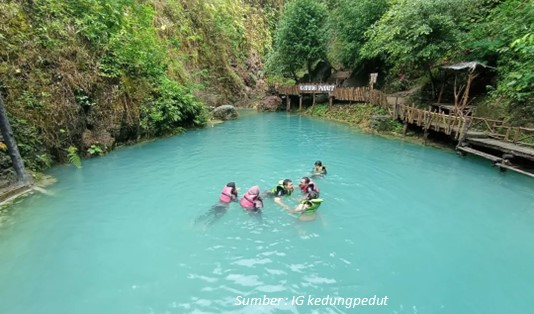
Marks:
<point>74,158</point>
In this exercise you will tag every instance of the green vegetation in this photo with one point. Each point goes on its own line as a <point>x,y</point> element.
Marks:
<point>300,38</point>
<point>95,149</point>
<point>349,22</point>
<point>417,34</point>
<point>407,40</point>
<point>74,158</point>
<point>506,37</point>
<point>91,74</point>
<point>366,116</point>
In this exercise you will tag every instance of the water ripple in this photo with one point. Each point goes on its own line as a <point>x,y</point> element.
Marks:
<point>118,236</point>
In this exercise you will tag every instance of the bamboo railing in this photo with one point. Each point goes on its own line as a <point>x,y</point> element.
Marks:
<point>499,130</point>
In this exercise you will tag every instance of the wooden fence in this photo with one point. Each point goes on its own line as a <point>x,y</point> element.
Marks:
<point>429,120</point>
<point>499,130</point>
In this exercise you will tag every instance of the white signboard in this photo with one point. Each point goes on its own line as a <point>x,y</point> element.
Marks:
<point>374,76</point>
<point>316,88</point>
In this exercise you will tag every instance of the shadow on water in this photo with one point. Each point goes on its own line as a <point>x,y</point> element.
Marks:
<point>215,213</point>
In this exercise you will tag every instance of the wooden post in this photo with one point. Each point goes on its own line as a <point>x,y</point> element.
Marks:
<point>300,102</point>
<point>517,134</point>
<point>441,92</point>
<point>288,103</point>
<point>330,102</point>
<point>463,131</point>
<point>425,136</point>
<point>470,78</point>
<point>457,93</point>
<point>313,103</point>
<point>405,128</point>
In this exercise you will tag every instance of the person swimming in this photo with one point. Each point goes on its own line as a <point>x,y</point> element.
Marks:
<point>284,187</point>
<point>319,169</point>
<point>229,193</point>
<point>251,201</point>
<point>307,185</point>
<point>308,207</point>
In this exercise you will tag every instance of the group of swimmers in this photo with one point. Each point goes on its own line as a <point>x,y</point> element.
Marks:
<point>252,200</point>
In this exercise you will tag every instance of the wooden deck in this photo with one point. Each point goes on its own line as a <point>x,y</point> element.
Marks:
<point>499,162</point>
<point>504,147</point>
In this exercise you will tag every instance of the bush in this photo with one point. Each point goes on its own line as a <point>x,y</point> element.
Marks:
<point>172,108</point>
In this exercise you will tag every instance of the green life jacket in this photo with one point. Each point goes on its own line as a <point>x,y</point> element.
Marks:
<point>281,184</point>
<point>314,204</point>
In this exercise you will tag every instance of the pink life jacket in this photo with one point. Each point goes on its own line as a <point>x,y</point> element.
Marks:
<point>248,201</point>
<point>226,195</point>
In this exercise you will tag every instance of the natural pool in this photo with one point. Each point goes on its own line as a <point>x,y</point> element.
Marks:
<point>432,232</point>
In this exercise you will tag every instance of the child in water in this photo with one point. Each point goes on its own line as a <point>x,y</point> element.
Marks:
<point>318,169</point>
<point>308,207</point>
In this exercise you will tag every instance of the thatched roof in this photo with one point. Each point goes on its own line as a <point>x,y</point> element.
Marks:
<point>471,66</point>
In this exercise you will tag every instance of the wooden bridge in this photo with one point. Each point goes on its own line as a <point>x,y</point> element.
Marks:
<point>474,134</point>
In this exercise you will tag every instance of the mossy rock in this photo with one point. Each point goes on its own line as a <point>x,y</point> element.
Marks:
<point>225,112</point>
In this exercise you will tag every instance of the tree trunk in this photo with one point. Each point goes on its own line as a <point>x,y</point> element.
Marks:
<point>295,78</point>
<point>12,148</point>
<point>309,67</point>
<point>432,83</point>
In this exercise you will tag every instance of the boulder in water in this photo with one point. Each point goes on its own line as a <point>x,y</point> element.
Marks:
<point>270,103</point>
<point>225,112</point>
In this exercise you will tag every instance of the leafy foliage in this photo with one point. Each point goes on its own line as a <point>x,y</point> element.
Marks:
<point>348,23</point>
<point>366,116</point>
<point>95,149</point>
<point>171,108</point>
<point>74,158</point>
<point>300,38</point>
<point>418,33</point>
<point>34,154</point>
<point>506,38</point>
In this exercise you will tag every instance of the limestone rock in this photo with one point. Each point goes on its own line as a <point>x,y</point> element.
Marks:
<point>101,137</point>
<point>225,112</point>
<point>270,103</point>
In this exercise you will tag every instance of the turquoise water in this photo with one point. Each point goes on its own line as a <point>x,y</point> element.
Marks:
<point>432,232</point>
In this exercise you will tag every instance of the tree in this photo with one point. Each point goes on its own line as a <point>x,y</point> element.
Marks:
<point>418,33</point>
<point>349,22</point>
<point>12,149</point>
<point>505,38</point>
<point>300,39</point>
